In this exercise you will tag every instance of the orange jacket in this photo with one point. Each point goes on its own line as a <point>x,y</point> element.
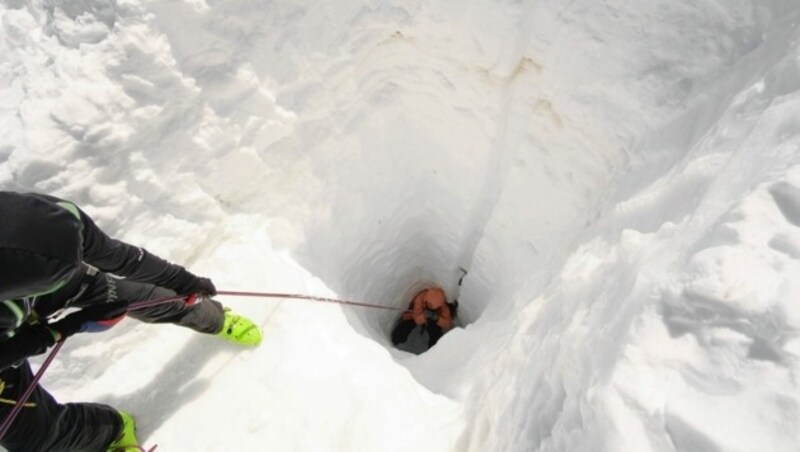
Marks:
<point>434,300</point>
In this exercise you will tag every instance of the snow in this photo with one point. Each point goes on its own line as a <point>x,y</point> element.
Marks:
<point>621,180</point>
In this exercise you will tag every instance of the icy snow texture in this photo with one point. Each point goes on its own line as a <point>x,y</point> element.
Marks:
<point>621,178</point>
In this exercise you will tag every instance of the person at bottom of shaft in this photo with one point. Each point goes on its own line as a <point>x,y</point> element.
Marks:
<point>429,310</point>
<point>61,275</point>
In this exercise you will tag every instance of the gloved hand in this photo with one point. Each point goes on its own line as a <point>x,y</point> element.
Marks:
<point>99,317</point>
<point>431,316</point>
<point>188,284</point>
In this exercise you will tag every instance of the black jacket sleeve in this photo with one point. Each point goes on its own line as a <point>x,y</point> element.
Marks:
<point>30,340</point>
<point>131,262</point>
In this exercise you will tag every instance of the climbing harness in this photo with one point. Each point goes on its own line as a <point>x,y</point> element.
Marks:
<point>9,401</point>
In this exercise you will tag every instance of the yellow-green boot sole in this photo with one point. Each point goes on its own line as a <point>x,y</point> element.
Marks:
<point>240,330</point>
<point>126,441</point>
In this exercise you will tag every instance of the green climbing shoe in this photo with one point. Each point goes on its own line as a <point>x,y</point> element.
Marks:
<point>126,441</point>
<point>240,330</point>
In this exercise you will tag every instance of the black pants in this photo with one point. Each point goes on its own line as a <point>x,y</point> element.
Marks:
<point>405,327</point>
<point>49,426</point>
<point>46,425</point>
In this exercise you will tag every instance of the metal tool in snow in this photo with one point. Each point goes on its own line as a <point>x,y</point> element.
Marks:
<point>464,273</point>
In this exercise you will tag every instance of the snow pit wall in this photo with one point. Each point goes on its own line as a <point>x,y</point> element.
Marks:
<point>441,163</point>
<point>390,144</point>
<point>420,137</point>
<point>494,145</point>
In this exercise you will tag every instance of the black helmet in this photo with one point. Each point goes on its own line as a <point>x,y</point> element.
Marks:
<point>40,244</point>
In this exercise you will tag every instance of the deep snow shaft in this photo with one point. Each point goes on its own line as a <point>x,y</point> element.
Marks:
<point>621,178</point>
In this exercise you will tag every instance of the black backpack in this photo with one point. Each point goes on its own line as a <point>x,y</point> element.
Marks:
<point>40,249</point>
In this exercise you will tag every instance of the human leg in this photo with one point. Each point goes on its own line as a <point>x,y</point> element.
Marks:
<point>46,425</point>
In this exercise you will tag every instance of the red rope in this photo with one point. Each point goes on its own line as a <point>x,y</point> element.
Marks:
<point>159,301</point>
<point>306,297</point>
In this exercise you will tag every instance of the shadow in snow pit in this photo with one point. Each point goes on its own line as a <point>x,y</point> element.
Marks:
<point>417,342</point>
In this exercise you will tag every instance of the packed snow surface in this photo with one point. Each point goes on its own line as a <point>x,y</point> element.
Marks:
<point>620,178</point>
